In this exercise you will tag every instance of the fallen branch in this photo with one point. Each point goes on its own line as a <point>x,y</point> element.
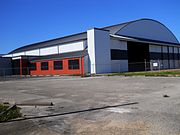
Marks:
<point>68,113</point>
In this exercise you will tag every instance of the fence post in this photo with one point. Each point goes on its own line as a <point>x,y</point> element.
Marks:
<point>145,64</point>
<point>81,67</point>
<point>4,74</point>
<point>120,68</point>
<point>151,65</point>
<point>159,64</point>
<point>28,71</point>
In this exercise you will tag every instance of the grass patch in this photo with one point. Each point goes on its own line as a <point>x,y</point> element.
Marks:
<point>149,73</point>
<point>7,113</point>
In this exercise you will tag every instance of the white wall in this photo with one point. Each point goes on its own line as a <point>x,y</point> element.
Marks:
<point>63,48</point>
<point>72,47</point>
<point>91,50</point>
<point>99,51</point>
<point>49,50</point>
<point>8,55</point>
<point>18,54</point>
<point>117,44</point>
<point>33,53</point>
<point>118,65</point>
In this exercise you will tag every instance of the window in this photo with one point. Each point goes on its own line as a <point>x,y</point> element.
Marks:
<point>73,64</point>
<point>33,66</point>
<point>118,54</point>
<point>58,65</point>
<point>44,66</point>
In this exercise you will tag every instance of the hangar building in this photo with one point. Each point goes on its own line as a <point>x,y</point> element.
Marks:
<point>117,48</point>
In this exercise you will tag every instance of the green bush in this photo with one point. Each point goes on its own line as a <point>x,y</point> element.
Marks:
<point>12,113</point>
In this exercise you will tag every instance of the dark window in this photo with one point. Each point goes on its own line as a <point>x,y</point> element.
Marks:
<point>155,56</point>
<point>73,64</point>
<point>165,56</point>
<point>33,66</point>
<point>58,65</point>
<point>176,56</point>
<point>118,54</point>
<point>171,56</point>
<point>44,66</point>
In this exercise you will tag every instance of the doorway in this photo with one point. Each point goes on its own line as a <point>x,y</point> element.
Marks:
<point>138,56</point>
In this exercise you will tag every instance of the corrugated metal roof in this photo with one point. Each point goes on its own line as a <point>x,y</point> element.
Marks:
<point>115,28</point>
<point>81,36</point>
<point>60,56</point>
<point>136,39</point>
<point>48,43</point>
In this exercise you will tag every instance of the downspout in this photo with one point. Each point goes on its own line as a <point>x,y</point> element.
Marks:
<point>21,67</point>
<point>81,59</point>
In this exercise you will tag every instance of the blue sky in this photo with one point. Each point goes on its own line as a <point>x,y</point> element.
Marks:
<point>24,22</point>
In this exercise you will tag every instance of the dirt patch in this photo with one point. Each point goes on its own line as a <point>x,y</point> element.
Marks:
<point>85,127</point>
<point>44,131</point>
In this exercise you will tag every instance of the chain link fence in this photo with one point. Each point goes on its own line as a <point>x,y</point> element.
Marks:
<point>125,66</point>
<point>118,67</point>
<point>49,70</point>
<point>14,71</point>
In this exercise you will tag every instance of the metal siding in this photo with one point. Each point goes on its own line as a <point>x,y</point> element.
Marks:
<point>165,64</point>
<point>49,51</point>
<point>9,55</point>
<point>116,44</point>
<point>53,42</point>
<point>154,48</point>
<point>148,29</point>
<point>71,47</point>
<point>165,49</point>
<point>33,53</point>
<point>18,54</point>
<point>119,66</point>
<point>99,51</point>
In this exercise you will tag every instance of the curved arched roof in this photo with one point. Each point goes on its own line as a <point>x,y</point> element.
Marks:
<point>144,28</point>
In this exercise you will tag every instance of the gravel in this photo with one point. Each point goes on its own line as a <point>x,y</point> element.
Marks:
<point>153,115</point>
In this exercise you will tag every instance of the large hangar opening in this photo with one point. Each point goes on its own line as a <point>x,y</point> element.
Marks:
<point>138,56</point>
